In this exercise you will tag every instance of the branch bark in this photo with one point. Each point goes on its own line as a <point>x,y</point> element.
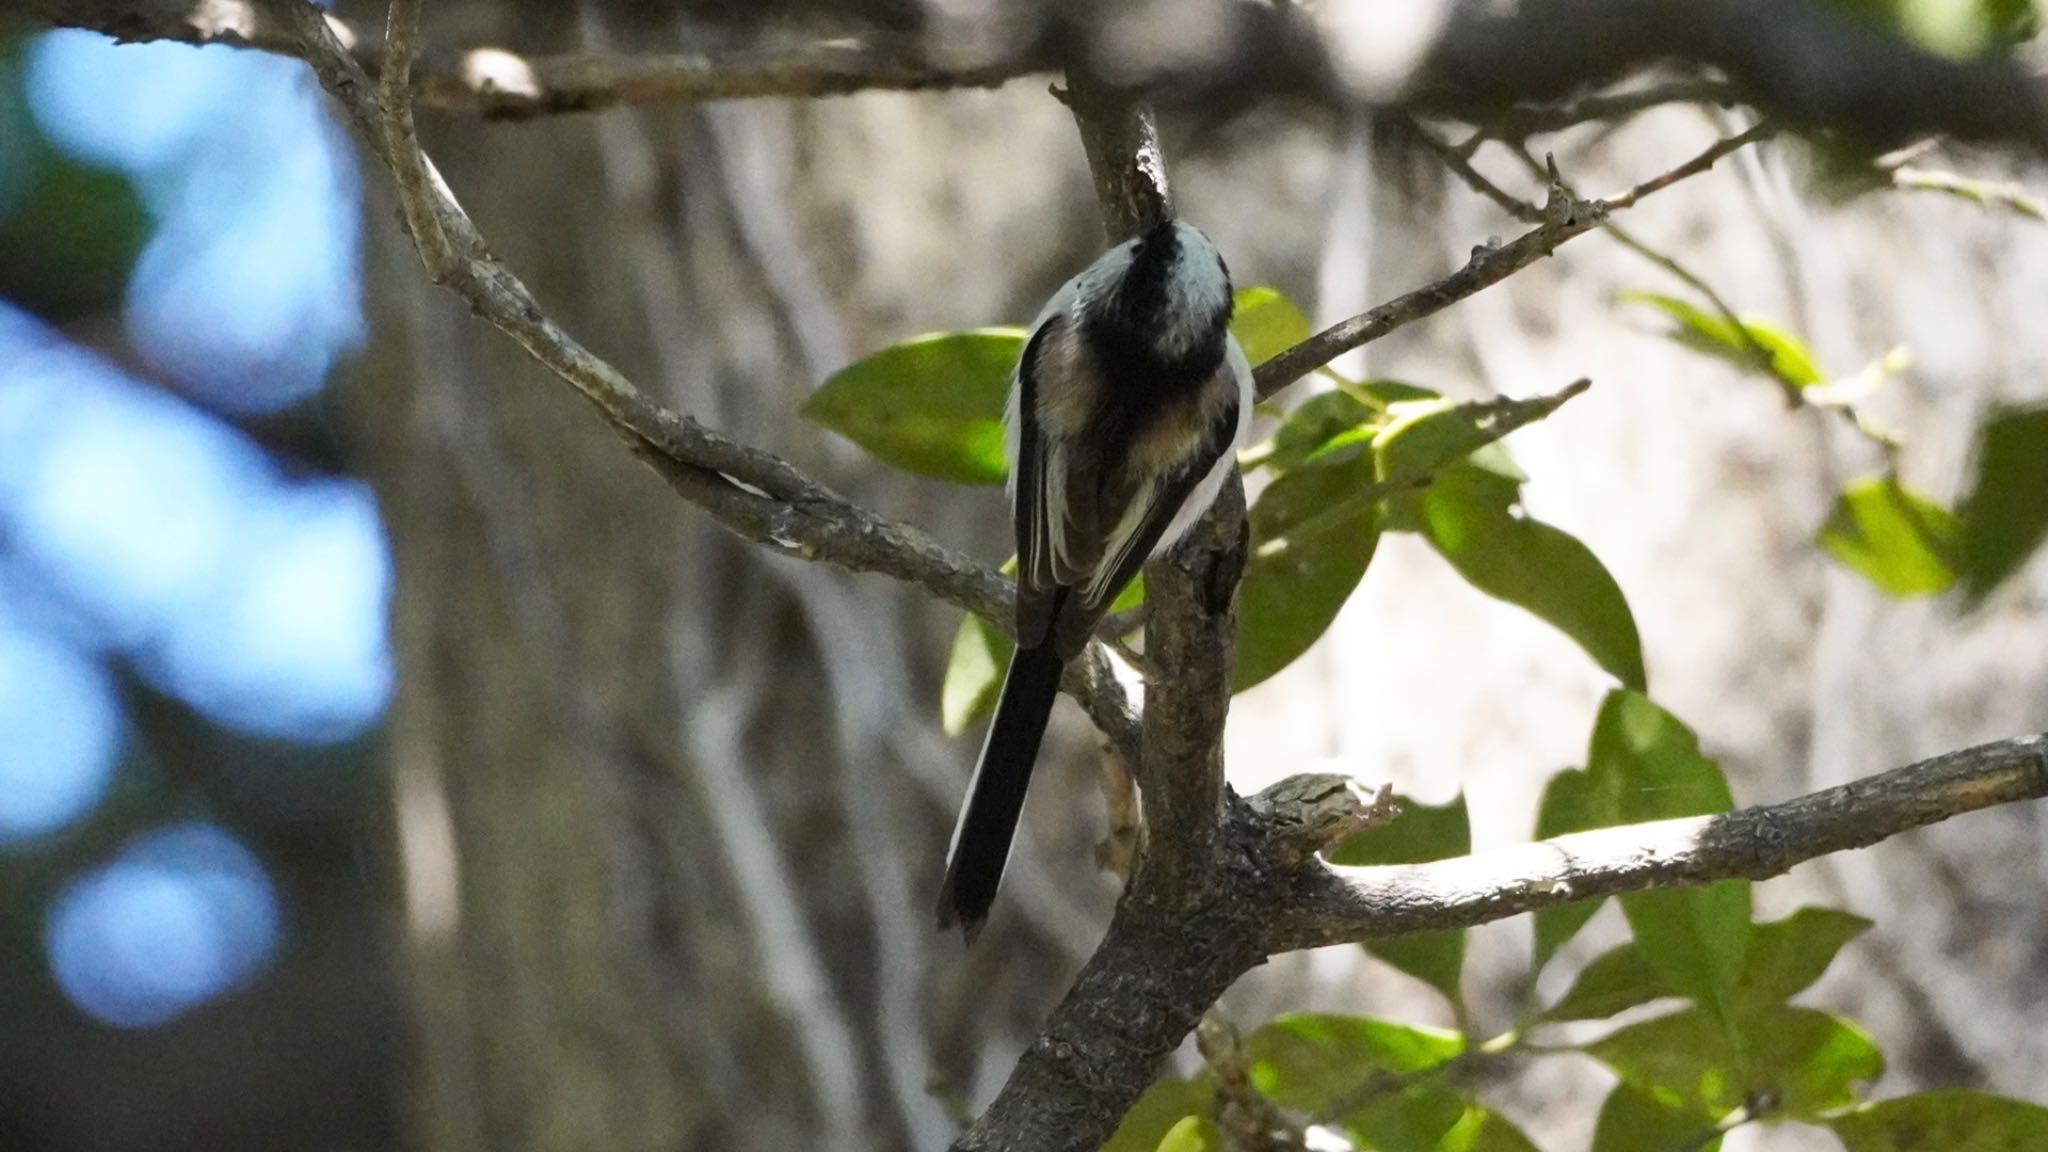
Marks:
<point>1341,905</point>
<point>1475,59</point>
<point>1159,967</point>
<point>759,496</point>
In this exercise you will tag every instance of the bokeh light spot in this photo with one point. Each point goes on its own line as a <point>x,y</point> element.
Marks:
<point>130,106</point>
<point>259,600</point>
<point>250,288</point>
<point>60,733</point>
<point>292,644</point>
<point>181,916</point>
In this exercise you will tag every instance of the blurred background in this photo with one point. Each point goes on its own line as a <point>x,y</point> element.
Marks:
<point>388,760</point>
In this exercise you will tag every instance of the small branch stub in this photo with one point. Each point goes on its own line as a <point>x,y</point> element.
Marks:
<point>1313,812</point>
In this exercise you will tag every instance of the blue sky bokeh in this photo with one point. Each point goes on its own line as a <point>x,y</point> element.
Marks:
<point>144,537</point>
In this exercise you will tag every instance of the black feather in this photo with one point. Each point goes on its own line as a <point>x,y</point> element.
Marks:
<point>995,800</point>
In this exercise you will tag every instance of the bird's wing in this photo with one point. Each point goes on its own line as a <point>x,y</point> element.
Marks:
<point>1031,510</point>
<point>1144,520</point>
<point>1145,513</point>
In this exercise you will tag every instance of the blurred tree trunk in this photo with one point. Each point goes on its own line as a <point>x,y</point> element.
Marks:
<point>578,971</point>
<point>664,827</point>
<point>533,597</point>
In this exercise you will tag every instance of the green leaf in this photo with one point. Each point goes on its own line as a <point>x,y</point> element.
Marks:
<point>933,405</point>
<point>974,675</point>
<point>1615,981</point>
<point>1432,1118</point>
<point>1416,1118</point>
<point>1425,435</point>
<point>1266,323</point>
<point>69,233</point>
<point>1312,538</point>
<point>1653,762</point>
<point>1193,1134</point>
<point>2005,516</point>
<point>1311,1062</point>
<point>1351,414</point>
<point>1961,29</point>
<point>1694,938</point>
<point>1314,424</point>
<point>1768,350</point>
<point>1900,541</point>
<point>1420,834</point>
<point>1948,1120</point>
<point>1632,1120</point>
<point>1683,1060</point>
<point>1572,802</point>
<point>1484,1130</point>
<point>1159,1110</point>
<point>1786,956</point>
<point>1814,1061</point>
<point>1809,1061</point>
<point>1469,518</point>
<point>1387,393</point>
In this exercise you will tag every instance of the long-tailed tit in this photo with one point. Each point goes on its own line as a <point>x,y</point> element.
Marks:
<point>1129,402</point>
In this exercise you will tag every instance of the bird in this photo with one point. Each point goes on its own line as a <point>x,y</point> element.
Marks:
<point>1127,407</point>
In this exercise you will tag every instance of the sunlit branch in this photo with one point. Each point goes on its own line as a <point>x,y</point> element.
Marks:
<point>1985,193</point>
<point>1339,904</point>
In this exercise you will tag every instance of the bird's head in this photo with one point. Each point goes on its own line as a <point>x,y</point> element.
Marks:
<point>1163,295</point>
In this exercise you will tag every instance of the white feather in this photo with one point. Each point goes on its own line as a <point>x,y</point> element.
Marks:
<point>1198,501</point>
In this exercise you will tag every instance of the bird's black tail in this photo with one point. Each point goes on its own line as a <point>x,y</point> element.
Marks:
<point>995,798</point>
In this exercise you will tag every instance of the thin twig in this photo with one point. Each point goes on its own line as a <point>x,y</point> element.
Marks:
<point>1720,150</point>
<point>409,164</point>
<point>1985,193</point>
<point>1565,217</point>
<point>1525,120</point>
<point>1458,160</point>
<point>1761,357</point>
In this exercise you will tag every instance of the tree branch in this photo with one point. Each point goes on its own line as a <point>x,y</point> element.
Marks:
<point>1565,217</point>
<point>1160,967</point>
<point>756,495</point>
<point>497,84</point>
<point>1339,904</point>
<point>1474,59</point>
<point>1121,141</point>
